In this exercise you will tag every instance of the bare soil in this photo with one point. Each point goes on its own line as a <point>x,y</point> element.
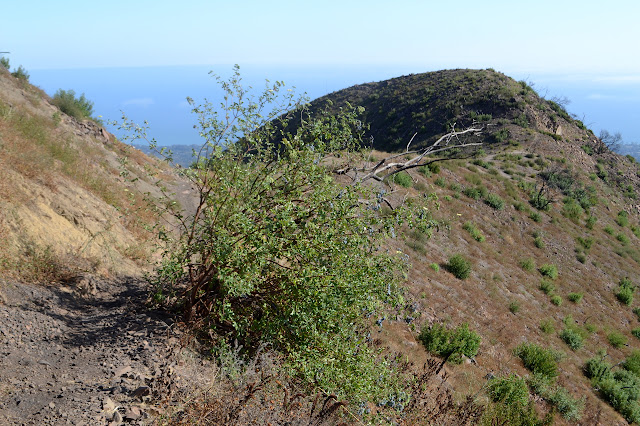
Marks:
<point>91,353</point>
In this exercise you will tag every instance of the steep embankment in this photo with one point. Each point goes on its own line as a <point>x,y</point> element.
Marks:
<point>589,232</point>
<point>77,343</point>
<point>67,198</point>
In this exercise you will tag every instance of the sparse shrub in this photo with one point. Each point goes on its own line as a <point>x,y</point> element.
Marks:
<point>572,210</point>
<point>21,74</point>
<point>597,368</point>
<point>591,221</point>
<point>622,219</point>
<point>473,193</point>
<point>79,108</point>
<point>434,168</point>
<point>434,266</point>
<point>546,326</point>
<point>586,243</point>
<point>569,407</point>
<point>588,149</point>
<point>609,230</point>
<point>636,311</point>
<point>528,264</point>
<point>549,270</point>
<point>632,362</point>
<point>494,201</point>
<point>459,266</point>
<point>636,332</point>
<point>403,179</point>
<point>620,388</point>
<point>514,307</point>
<point>520,206</point>
<point>547,286</point>
<point>511,390</point>
<point>625,291</point>
<point>575,297</point>
<point>581,257</point>
<point>616,339</point>
<point>451,344</point>
<point>572,338</point>
<point>425,171</point>
<point>623,239</point>
<point>535,216</point>
<point>440,182</point>
<point>538,360</point>
<point>556,300</point>
<point>475,232</point>
<point>4,62</point>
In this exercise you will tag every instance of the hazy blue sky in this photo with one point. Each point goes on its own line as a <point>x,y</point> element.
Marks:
<point>559,35</point>
<point>146,56</point>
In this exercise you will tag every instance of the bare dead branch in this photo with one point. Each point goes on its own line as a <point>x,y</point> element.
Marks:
<point>396,163</point>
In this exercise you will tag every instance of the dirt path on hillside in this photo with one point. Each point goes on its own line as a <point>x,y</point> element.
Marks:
<point>98,358</point>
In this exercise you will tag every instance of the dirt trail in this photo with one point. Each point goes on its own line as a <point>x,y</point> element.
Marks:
<point>96,358</point>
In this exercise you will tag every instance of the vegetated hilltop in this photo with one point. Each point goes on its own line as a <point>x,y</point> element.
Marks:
<point>547,218</point>
<point>67,203</point>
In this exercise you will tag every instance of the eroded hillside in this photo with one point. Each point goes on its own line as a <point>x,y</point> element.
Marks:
<point>70,193</point>
<point>542,195</point>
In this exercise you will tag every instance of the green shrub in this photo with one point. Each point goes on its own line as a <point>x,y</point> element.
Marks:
<point>636,332</point>
<point>570,408</point>
<point>625,291</point>
<point>539,242</point>
<point>547,326</point>
<point>572,338</point>
<point>403,179</point>
<point>616,339</point>
<point>4,62</point>
<point>440,182</point>
<point>556,300</point>
<point>79,108</point>
<point>636,311</point>
<point>572,210</point>
<point>425,171</point>
<point>475,232</point>
<point>609,230</point>
<point>623,239</point>
<point>591,221</point>
<point>473,193</point>
<point>510,390</point>
<point>586,243</point>
<point>434,266</point>
<point>21,74</point>
<point>549,270</point>
<point>620,388</point>
<point>451,344</point>
<point>547,286</point>
<point>538,360</point>
<point>514,307</point>
<point>622,219</point>
<point>575,297</point>
<point>494,201</point>
<point>528,264</point>
<point>459,266</point>
<point>434,168</point>
<point>536,217</point>
<point>632,362</point>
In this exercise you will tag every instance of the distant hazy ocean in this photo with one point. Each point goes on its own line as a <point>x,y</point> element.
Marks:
<point>157,94</point>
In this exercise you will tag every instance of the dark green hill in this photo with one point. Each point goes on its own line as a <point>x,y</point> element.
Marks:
<point>429,104</point>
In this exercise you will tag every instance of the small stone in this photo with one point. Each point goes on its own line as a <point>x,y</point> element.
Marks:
<point>132,413</point>
<point>142,391</point>
<point>117,417</point>
<point>122,371</point>
<point>52,405</point>
<point>108,405</point>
